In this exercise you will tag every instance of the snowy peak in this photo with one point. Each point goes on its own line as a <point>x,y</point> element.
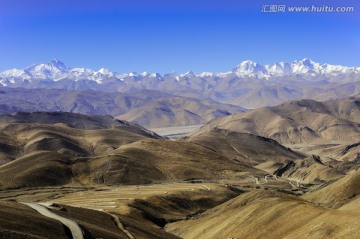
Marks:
<point>55,63</point>
<point>188,74</point>
<point>155,75</point>
<point>305,66</point>
<point>309,63</point>
<point>104,72</point>
<point>13,73</point>
<point>248,68</point>
<point>279,68</point>
<point>53,69</point>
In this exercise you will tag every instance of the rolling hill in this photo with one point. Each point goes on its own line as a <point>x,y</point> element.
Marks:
<point>337,193</point>
<point>67,148</point>
<point>309,170</point>
<point>294,122</point>
<point>244,147</point>
<point>284,216</point>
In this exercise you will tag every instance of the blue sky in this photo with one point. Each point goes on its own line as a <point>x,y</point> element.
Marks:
<point>165,36</point>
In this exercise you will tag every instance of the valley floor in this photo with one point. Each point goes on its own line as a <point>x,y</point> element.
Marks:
<point>269,207</point>
<point>176,132</point>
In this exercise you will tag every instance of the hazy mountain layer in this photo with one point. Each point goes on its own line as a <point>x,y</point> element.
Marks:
<point>147,108</point>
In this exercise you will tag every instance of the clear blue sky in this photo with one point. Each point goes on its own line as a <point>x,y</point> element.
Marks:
<point>173,35</point>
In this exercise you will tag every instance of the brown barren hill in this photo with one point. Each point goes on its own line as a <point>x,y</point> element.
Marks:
<point>245,147</point>
<point>337,193</point>
<point>309,170</point>
<point>45,148</point>
<point>304,121</point>
<point>267,214</point>
<point>177,160</point>
<point>64,148</point>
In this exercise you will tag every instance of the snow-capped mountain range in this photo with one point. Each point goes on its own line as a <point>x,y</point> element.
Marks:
<point>302,67</point>
<point>249,84</point>
<point>56,70</point>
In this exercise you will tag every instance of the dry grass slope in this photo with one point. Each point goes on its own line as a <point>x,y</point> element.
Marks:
<point>248,148</point>
<point>337,193</point>
<point>309,170</point>
<point>283,216</point>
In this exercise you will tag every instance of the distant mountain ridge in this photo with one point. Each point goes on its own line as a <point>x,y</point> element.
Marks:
<point>147,108</point>
<point>250,84</point>
<point>57,70</point>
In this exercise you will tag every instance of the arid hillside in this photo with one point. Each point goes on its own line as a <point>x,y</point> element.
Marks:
<point>42,149</point>
<point>266,214</point>
<point>296,122</point>
<point>244,147</point>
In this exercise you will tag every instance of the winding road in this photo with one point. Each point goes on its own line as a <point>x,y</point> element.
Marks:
<point>121,226</point>
<point>72,225</point>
